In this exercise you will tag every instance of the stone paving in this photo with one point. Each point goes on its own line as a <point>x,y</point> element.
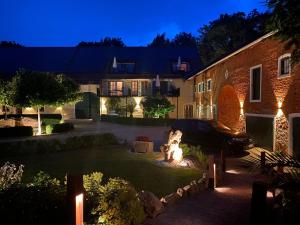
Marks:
<point>229,204</point>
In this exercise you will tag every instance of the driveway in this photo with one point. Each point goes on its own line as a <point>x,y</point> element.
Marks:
<point>124,133</point>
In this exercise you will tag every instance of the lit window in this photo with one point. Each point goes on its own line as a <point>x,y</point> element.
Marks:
<point>284,65</point>
<point>183,67</point>
<point>134,88</point>
<point>255,84</point>
<point>201,87</point>
<point>208,85</point>
<point>115,88</point>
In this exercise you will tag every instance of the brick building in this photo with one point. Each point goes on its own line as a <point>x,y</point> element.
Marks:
<point>254,89</point>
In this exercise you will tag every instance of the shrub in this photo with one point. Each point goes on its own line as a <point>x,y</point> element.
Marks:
<point>10,175</point>
<point>92,182</point>
<point>143,138</point>
<point>62,127</point>
<point>196,151</point>
<point>50,121</point>
<point>49,129</point>
<point>185,149</point>
<point>28,205</point>
<point>118,204</point>
<point>44,179</point>
<point>22,131</point>
<point>157,106</point>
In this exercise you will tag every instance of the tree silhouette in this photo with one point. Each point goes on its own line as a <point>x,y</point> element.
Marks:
<point>10,44</point>
<point>160,41</point>
<point>106,42</point>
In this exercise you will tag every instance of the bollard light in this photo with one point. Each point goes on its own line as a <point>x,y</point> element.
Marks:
<point>215,176</point>
<point>79,209</point>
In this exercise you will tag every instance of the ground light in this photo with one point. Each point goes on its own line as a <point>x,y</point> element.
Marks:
<point>79,209</point>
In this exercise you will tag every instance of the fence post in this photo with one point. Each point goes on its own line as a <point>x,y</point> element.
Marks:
<point>258,203</point>
<point>262,160</point>
<point>75,198</point>
<point>211,172</point>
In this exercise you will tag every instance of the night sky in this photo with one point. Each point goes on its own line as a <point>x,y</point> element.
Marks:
<point>67,22</point>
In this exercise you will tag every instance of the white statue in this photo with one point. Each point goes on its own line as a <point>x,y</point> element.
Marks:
<point>171,150</point>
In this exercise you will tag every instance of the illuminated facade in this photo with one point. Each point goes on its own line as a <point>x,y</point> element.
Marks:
<point>254,89</point>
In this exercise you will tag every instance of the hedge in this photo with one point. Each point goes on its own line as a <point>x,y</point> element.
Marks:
<point>22,131</point>
<point>33,116</point>
<point>137,121</point>
<point>28,147</point>
<point>62,127</point>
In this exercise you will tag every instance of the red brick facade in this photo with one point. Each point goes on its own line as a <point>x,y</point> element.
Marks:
<point>280,96</point>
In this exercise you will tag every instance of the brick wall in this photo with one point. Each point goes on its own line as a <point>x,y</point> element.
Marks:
<point>235,72</point>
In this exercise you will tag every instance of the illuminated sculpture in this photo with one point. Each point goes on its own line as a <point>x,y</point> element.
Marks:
<point>171,150</point>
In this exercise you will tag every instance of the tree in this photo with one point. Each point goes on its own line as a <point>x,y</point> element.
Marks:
<point>10,44</point>
<point>184,39</point>
<point>39,89</point>
<point>160,41</point>
<point>285,19</point>
<point>228,33</point>
<point>106,42</point>
<point>5,95</point>
<point>157,106</point>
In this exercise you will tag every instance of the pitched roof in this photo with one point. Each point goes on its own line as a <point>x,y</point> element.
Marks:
<point>90,64</point>
<point>230,54</point>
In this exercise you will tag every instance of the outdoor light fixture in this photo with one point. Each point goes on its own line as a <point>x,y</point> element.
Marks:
<point>279,112</point>
<point>177,153</point>
<point>79,209</point>
<point>137,101</point>
<point>215,176</point>
<point>115,63</point>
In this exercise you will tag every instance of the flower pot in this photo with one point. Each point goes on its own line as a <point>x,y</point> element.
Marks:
<point>143,146</point>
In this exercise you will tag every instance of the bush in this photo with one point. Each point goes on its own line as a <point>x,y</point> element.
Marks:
<point>29,205</point>
<point>10,175</point>
<point>44,179</point>
<point>22,131</point>
<point>50,121</point>
<point>28,147</point>
<point>118,205</point>
<point>137,121</point>
<point>62,127</point>
<point>49,129</point>
<point>157,106</point>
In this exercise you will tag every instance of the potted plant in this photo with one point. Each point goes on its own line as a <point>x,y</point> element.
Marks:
<point>143,144</point>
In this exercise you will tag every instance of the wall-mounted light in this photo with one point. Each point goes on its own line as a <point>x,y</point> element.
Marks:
<point>279,104</point>
<point>279,111</point>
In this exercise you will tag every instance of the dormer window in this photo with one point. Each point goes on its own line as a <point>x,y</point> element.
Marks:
<point>124,67</point>
<point>182,67</point>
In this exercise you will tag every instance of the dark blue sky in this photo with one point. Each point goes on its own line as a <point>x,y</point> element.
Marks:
<point>67,22</point>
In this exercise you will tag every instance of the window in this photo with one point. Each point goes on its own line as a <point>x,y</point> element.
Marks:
<point>145,88</point>
<point>208,85</point>
<point>134,88</point>
<point>183,67</point>
<point>125,67</point>
<point>188,111</point>
<point>201,87</point>
<point>115,88</point>
<point>255,84</point>
<point>284,65</point>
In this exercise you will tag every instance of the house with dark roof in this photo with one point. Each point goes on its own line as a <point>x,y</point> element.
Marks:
<point>126,75</point>
<point>254,89</point>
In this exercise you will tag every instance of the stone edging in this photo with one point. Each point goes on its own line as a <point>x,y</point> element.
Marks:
<point>189,190</point>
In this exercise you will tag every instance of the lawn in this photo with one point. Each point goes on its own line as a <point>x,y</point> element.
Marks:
<point>113,161</point>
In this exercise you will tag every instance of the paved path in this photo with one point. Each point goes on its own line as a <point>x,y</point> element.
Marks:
<point>227,205</point>
<point>122,132</point>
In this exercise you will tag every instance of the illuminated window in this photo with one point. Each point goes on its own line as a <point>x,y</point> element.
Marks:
<point>183,67</point>
<point>115,88</point>
<point>284,65</point>
<point>134,88</point>
<point>145,88</point>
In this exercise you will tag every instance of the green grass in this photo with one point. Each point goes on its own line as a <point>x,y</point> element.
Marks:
<point>113,161</point>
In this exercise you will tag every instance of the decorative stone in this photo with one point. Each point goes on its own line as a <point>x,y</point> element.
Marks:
<point>180,192</point>
<point>152,205</point>
<point>186,189</point>
<point>170,199</point>
<point>191,162</point>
